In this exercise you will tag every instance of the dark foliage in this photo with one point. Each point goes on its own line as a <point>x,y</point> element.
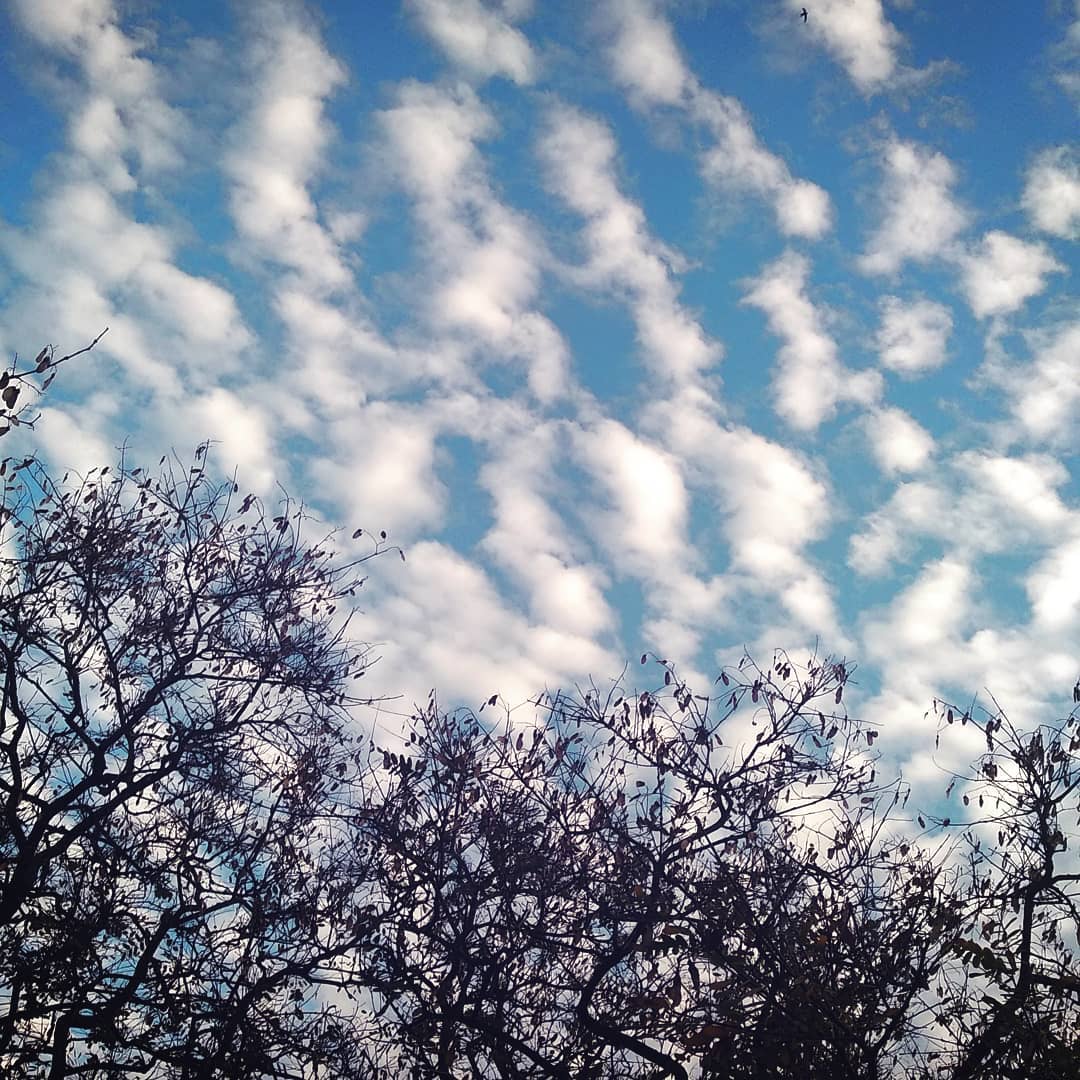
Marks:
<point>177,767</point>
<point>204,873</point>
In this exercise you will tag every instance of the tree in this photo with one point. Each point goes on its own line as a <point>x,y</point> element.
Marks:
<point>659,885</point>
<point>614,893</point>
<point>205,872</point>
<point>1015,994</point>
<point>176,771</point>
<point>13,405</point>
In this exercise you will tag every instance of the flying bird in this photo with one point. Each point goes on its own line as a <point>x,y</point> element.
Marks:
<point>804,14</point>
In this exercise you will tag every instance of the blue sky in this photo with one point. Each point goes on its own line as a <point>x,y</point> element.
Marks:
<point>677,327</point>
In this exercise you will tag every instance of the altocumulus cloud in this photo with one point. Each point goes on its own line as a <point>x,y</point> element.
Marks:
<point>625,339</point>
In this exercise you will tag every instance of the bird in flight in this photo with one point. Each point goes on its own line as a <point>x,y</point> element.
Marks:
<point>804,14</point>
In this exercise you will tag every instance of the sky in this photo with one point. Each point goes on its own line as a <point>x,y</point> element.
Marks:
<point>677,328</point>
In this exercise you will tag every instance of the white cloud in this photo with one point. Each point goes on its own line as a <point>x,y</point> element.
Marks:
<point>937,638</point>
<point>761,484</point>
<point>241,432</point>
<point>278,146</point>
<point>1065,55</point>
<point>381,470</point>
<point>1004,272</point>
<point>1053,588</point>
<point>773,485</point>
<point>645,528</point>
<point>529,538</point>
<point>119,111</point>
<point>481,40</point>
<point>643,53</point>
<point>486,259</point>
<point>578,153</point>
<point>886,535</point>
<point>738,162</point>
<point>858,35</point>
<point>85,260</point>
<point>928,615</point>
<point>1013,499</point>
<point>440,622</point>
<point>920,219</point>
<point>1044,396</point>
<point>810,381</point>
<point>770,505</point>
<point>913,337</point>
<point>898,442</point>
<point>646,62</point>
<point>72,438</point>
<point>1052,193</point>
<point>338,358</point>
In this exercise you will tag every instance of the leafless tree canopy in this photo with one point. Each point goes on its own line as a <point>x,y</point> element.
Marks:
<point>207,871</point>
<point>176,768</point>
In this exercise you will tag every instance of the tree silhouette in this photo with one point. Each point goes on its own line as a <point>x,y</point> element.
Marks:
<point>175,768</point>
<point>668,885</point>
<point>206,872</point>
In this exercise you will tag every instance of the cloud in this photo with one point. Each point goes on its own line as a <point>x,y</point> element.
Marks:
<point>530,539</point>
<point>278,146</point>
<point>119,113</point>
<point>242,436</point>
<point>578,153</point>
<point>643,484</point>
<point>440,622</point>
<point>1065,55</point>
<point>485,259</point>
<point>919,219</point>
<point>809,382</point>
<point>1043,396</point>
<point>381,470</point>
<point>775,506</point>
<point>1052,193</point>
<point>738,162</point>
<point>639,517</point>
<point>644,56</point>
<point>912,337</point>
<point>84,260</point>
<point>1003,272</point>
<point>1013,499</point>
<point>770,505</point>
<point>1053,587</point>
<point>898,442</point>
<point>929,614</point>
<point>937,637</point>
<point>858,36</point>
<point>478,38</point>
<point>646,62</point>
<point>85,264</point>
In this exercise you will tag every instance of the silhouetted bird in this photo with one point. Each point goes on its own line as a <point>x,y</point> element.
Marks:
<point>804,14</point>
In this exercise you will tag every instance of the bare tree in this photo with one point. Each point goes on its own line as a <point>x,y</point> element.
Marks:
<point>664,884</point>
<point>622,891</point>
<point>1013,997</point>
<point>14,382</point>
<point>176,764</point>
<point>204,872</point>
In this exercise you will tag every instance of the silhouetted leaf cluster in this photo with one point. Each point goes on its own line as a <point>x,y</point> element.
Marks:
<point>204,872</point>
